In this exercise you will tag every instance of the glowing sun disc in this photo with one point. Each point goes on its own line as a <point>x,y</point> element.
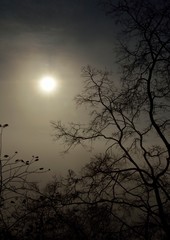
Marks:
<point>47,84</point>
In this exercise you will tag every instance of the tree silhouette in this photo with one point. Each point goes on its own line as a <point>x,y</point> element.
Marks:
<point>58,214</point>
<point>132,119</point>
<point>16,187</point>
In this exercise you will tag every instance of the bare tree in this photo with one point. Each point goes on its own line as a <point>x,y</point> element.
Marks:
<point>16,185</point>
<point>133,118</point>
<point>59,213</point>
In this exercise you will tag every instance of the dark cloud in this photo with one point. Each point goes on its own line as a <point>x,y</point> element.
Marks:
<point>47,12</point>
<point>43,25</point>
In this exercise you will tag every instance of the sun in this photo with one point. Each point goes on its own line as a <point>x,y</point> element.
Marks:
<point>47,84</point>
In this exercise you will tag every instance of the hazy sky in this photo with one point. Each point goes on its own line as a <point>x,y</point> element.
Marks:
<point>39,37</point>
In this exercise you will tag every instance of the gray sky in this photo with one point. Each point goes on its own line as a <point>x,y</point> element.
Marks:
<point>41,37</point>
